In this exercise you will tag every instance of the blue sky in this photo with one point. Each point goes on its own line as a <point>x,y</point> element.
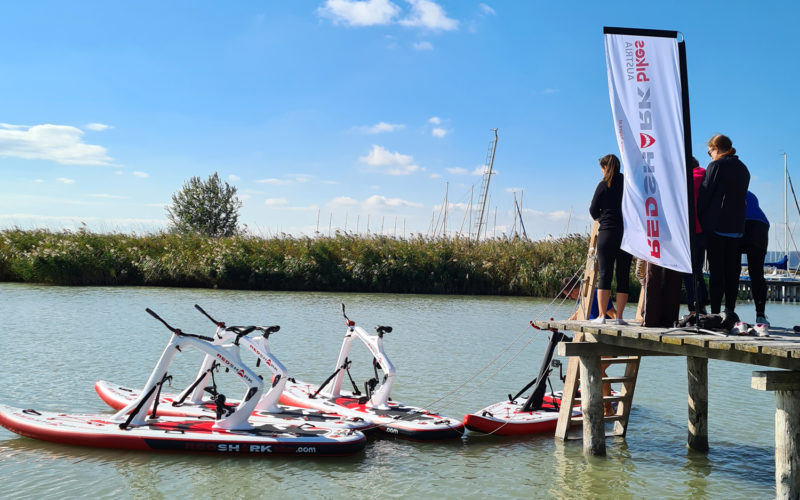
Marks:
<point>347,111</point>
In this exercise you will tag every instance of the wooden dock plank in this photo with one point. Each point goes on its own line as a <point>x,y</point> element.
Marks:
<point>780,350</point>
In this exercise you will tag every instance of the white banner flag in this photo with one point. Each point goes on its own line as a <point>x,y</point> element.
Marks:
<point>644,83</point>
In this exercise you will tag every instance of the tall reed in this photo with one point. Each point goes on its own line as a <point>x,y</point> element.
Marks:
<point>344,262</point>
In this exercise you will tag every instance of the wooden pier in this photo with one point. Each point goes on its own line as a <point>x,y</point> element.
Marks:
<point>781,350</point>
<point>777,290</point>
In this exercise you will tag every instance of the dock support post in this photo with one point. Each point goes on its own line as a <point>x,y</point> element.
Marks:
<point>594,432</point>
<point>786,385</point>
<point>697,371</point>
<point>787,448</point>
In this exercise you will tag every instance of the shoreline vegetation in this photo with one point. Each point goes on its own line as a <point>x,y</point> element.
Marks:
<point>344,262</point>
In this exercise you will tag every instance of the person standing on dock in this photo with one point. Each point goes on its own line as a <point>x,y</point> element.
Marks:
<point>694,281</point>
<point>606,208</point>
<point>754,245</point>
<point>721,207</point>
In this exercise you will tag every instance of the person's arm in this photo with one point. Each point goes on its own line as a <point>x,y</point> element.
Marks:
<point>594,207</point>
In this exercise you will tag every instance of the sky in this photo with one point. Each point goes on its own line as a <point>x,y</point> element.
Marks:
<point>362,116</point>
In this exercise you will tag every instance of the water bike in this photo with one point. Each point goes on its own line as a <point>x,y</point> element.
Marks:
<point>374,405</point>
<point>200,398</point>
<point>537,412</point>
<point>138,426</point>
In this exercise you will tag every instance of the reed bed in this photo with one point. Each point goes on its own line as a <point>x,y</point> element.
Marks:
<point>343,262</point>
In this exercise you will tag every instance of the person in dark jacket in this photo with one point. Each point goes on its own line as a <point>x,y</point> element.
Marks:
<point>721,208</point>
<point>606,208</point>
<point>754,244</point>
<point>695,281</point>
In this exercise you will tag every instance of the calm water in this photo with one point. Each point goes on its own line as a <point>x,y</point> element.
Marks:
<point>58,341</point>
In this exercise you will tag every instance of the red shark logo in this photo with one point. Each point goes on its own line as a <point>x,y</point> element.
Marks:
<point>646,140</point>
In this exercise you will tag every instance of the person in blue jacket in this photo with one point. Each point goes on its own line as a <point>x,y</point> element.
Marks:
<point>754,245</point>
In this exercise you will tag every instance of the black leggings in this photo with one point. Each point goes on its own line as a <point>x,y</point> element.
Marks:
<point>724,266</point>
<point>754,244</point>
<point>609,252</point>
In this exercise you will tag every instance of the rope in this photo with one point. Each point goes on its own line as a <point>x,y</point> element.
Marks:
<point>563,298</point>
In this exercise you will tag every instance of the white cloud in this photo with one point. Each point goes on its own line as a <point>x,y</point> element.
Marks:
<point>273,181</point>
<point>438,132</point>
<point>289,178</point>
<point>457,171</point>
<point>481,169</point>
<point>398,164</point>
<point>64,180</point>
<point>428,14</point>
<point>342,201</point>
<point>359,13</point>
<point>97,127</point>
<point>424,45</point>
<point>377,202</point>
<point>233,177</point>
<point>550,91</point>
<point>435,120</point>
<point>141,175</point>
<point>403,170</point>
<point>435,176</point>
<point>486,9</point>
<point>107,196</point>
<point>381,127</point>
<point>38,181</point>
<point>60,143</point>
<point>299,178</point>
<point>276,202</point>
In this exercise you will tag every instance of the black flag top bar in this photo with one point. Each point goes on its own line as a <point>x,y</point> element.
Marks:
<point>648,90</point>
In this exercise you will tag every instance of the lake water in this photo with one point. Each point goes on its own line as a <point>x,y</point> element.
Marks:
<point>57,341</point>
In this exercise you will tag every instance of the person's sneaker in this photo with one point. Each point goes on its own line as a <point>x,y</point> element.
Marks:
<point>761,329</point>
<point>619,321</point>
<point>600,320</point>
<point>740,328</point>
<point>729,319</point>
<point>762,320</point>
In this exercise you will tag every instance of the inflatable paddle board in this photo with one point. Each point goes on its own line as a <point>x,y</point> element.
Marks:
<point>118,397</point>
<point>510,418</point>
<point>177,434</point>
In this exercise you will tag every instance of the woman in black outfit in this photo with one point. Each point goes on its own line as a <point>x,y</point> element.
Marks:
<point>606,208</point>
<point>721,208</point>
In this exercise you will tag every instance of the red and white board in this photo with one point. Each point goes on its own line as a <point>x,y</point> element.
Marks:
<point>394,418</point>
<point>118,397</point>
<point>180,434</point>
<point>508,418</point>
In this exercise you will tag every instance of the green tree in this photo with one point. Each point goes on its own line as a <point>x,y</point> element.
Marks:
<point>208,207</point>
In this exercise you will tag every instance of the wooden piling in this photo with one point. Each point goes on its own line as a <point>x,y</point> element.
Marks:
<point>697,370</point>
<point>786,385</point>
<point>594,432</point>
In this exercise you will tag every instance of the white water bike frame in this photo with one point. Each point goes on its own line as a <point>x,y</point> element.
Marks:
<point>235,421</point>
<point>375,344</point>
<point>260,348</point>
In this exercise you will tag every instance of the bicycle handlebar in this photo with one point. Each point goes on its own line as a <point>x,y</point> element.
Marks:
<point>220,324</point>
<point>176,331</point>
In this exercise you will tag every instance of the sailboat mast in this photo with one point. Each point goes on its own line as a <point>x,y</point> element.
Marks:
<point>786,211</point>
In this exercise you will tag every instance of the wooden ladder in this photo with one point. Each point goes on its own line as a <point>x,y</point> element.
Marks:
<point>624,398</point>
